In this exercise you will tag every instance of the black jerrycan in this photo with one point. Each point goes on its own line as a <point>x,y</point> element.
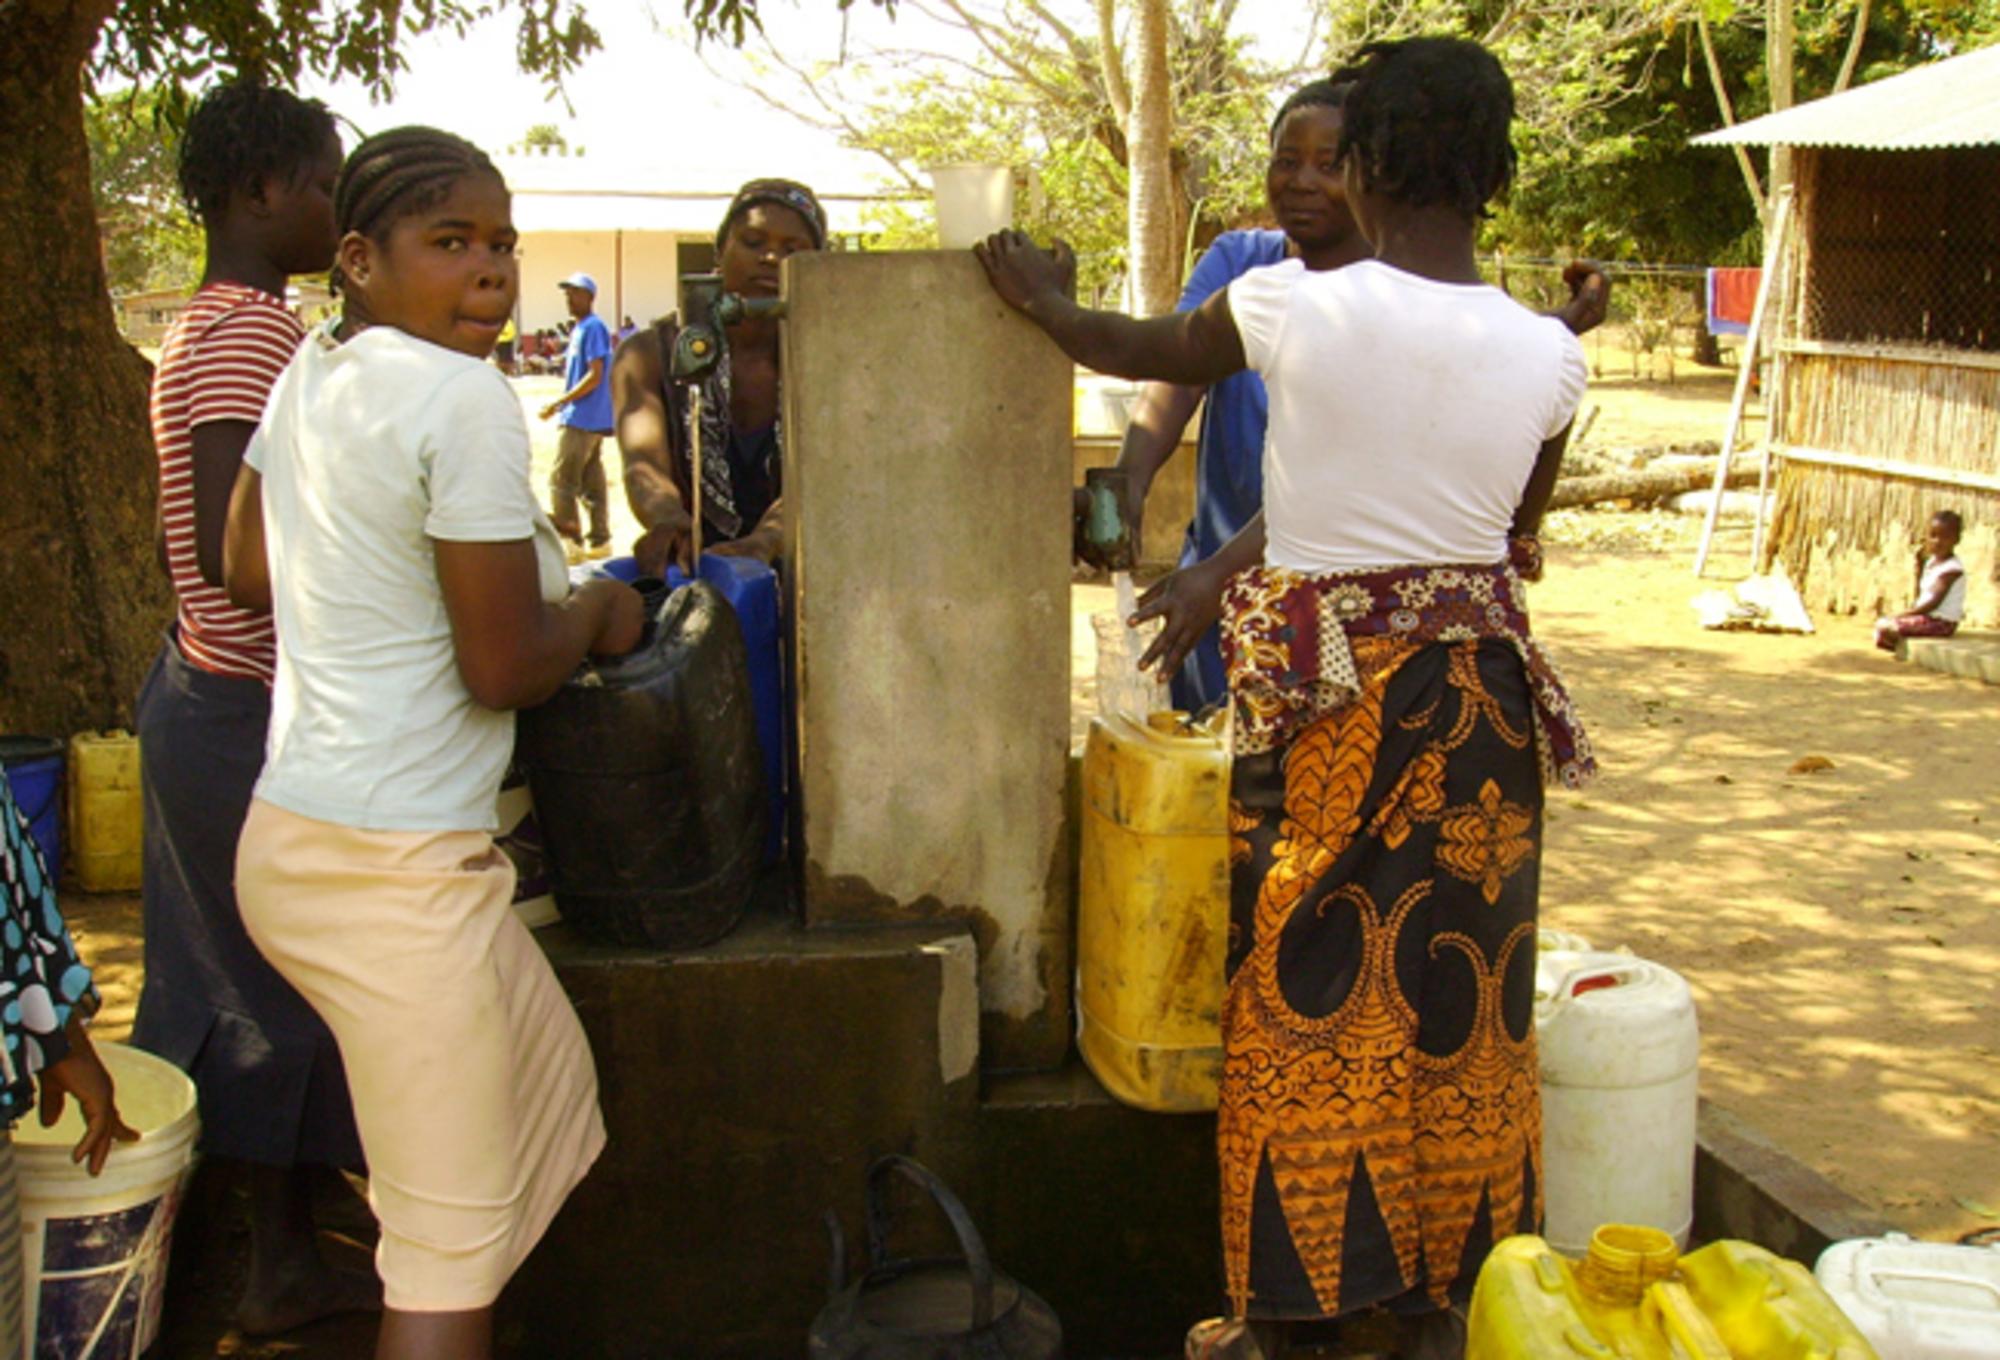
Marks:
<point>927,1309</point>
<point>648,780</point>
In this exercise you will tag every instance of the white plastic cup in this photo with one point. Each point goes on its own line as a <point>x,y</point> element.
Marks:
<point>973,202</point>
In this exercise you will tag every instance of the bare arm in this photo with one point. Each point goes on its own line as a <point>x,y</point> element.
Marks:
<point>1934,597</point>
<point>216,459</point>
<point>246,572</point>
<point>766,542</point>
<point>1541,485</point>
<point>514,649</point>
<point>640,416</point>
<point>1196,348</point>
<point>1159,419</point>
<point>592,376</point>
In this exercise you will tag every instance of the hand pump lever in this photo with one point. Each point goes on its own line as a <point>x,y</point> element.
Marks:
<point>706,314</point>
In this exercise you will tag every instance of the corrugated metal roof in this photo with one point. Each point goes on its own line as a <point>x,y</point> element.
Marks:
<point>1954,102</point>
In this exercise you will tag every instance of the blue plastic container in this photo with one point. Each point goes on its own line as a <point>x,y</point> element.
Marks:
<point>751,587</point>
<point>35,770</point>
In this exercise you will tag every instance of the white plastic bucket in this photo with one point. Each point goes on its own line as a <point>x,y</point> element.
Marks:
<point>973,202</point>
<point>1917,1300</point>
<point>94,1248</point>
<point>1548,939</point>
<point>1619,1049</point>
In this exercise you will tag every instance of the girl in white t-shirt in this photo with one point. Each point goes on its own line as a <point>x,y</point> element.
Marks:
<point>1940,588</point>
<point>1395,722</point>
<point>385,512</point>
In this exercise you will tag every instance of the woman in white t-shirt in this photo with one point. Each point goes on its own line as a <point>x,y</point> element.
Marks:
<point>385,512</point>
<point>1395,721</point>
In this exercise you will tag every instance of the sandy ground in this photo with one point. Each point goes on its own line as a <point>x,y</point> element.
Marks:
<point>1841,928</point>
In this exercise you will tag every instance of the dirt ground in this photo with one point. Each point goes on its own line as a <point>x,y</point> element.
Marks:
<point>1840,927</point>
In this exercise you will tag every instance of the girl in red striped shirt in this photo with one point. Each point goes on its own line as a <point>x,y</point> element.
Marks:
<point>257,167</point>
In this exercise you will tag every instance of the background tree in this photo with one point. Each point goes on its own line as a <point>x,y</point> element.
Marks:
<point>542,139</point>
<point>149,240</point>
<point>1051,84</point>
<point>82,599</point>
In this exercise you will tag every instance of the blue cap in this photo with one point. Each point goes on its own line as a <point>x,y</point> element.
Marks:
<point>580,280</point>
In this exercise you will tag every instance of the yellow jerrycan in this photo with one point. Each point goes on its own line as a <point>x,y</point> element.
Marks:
<point>1153,909</point>
<point>1634,1297</point>
<point>106,811</point>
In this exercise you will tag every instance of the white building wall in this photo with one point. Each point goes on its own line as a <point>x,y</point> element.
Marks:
<point>547,257</point>
<point>652,286</point>
<point>635,273</point>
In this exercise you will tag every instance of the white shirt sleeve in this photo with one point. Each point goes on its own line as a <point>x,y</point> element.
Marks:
<point>1260,300</point>
<point>1573,374</point>
<point>476,460</point>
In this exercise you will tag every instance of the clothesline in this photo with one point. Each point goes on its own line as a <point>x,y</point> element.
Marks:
<point>1614,268</point>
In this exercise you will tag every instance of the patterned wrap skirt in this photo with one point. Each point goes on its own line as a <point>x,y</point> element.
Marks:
<point>1380,1120</point>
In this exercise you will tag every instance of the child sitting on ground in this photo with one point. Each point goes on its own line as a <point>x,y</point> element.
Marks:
<point>1940,588</point>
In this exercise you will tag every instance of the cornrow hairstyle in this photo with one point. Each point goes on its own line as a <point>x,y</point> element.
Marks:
<point>244,132</point>
<point>1429,119</point>
<point>396,173</point>
<point>1329,93</point>
<point>1951,521</point>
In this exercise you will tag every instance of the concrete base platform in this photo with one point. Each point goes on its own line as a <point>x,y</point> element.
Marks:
<point>748,1087</point>
<point>1976,656</point>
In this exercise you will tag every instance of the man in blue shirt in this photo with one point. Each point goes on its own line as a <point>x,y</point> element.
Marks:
<point>583,412</point>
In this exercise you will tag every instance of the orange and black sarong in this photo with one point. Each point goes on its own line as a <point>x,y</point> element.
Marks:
<point>1380,1124</point>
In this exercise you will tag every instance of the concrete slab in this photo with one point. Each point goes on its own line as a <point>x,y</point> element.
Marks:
<point>746,1089</point>
<point>1975,656</point>
<point>1745,1187</point>
<point>928,449</point>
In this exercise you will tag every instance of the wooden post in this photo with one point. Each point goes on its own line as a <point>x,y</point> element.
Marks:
<point>1774,243</point>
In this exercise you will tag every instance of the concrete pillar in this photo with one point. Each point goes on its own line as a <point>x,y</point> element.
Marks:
<point>927,458</point>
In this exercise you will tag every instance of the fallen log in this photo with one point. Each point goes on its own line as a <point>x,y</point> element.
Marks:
<point>1648,484</point>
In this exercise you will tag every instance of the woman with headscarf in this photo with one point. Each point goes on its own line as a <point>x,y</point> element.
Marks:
<point>737,415</point>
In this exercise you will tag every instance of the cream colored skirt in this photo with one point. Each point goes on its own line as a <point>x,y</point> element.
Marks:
<point>473,1085</point>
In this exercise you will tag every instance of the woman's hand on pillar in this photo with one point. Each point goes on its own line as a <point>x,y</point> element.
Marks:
<point>1025,275</point>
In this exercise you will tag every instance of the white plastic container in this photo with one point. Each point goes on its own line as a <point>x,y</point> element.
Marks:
<point>973,202</point>
<point>1548,940</point>
<point>1917,1300</point>
<point>1619,1050</point>
<point>94,1248</point>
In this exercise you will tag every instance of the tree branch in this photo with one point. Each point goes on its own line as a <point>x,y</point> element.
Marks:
<point>1722,100</point>
<point>1116,92</point>
<point>1847,63</point>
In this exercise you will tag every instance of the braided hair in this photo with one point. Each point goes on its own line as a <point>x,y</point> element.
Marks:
<point>1429,119</point>
<point>242,133</point>
<point>397,173</point>
<point>1329,92</point>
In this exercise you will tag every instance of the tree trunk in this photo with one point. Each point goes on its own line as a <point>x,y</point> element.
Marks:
<point>1651,484</point>
<point>82,597</point>
<point>1153,243</point>
<point>1778,39</point>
